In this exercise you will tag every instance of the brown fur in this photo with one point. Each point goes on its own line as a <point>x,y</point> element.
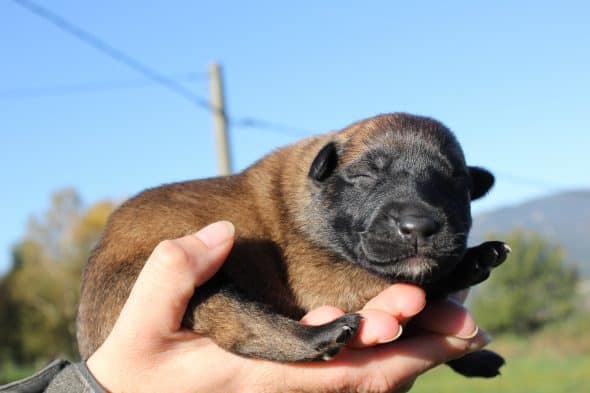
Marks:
<point>266,203</point>
<point>281,265</point>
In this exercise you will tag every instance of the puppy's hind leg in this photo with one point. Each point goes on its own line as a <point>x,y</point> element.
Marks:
<point>482,363</point>
<point>251,329</point>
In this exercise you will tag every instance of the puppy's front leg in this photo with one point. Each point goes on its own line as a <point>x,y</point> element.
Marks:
<point>251,329</point>
<point>478,263</point>
<point>474,268</point>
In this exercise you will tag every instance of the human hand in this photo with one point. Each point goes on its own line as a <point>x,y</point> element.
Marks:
<point>440,331</point>
<point>149,351</point>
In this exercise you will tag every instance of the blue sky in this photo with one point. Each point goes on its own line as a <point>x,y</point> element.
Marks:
<point>511,78</point>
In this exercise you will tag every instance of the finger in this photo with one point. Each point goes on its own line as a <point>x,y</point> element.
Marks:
<point>414,356</point>
<point>448,318</point>
<point>159,298</point>
<point>321,315</point>
<point>381,314</point>
<point>383,367</point>
<point>406,386</point>
<point>377,327</point>
<point>402,301</point>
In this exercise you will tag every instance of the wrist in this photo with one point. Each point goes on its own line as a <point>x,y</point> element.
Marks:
<point>103,372</point>
<point>90,378</point>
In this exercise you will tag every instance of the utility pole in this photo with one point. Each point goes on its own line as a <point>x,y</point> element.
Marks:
<point>219,120</point>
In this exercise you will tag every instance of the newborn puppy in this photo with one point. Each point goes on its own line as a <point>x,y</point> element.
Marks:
<point>333,219</point>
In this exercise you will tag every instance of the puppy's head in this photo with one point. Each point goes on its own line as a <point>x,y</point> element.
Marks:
<point>392,193</point>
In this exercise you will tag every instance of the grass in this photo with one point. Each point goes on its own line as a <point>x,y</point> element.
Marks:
<point>554,360</point>
<point>547,373</point>
<point>10,372</point>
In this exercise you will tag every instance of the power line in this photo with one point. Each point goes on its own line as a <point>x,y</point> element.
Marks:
<point>169,83</point>
<point>252,122</point>
<point>114,53</point>
<point>87,87</point>
<point>172,85</point>
<point>147,71</point>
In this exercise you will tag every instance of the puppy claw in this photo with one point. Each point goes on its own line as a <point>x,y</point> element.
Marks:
<point>331,337</point>
<point>330,354</point>
<point>346,333</point>
<point>494,253</point>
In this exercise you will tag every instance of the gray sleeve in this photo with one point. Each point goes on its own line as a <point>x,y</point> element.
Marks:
<point>75,378</point>
<point>60,376</point>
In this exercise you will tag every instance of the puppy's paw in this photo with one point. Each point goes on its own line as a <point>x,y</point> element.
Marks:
<point>328,339</point>
<point>493,253</point>
<point>483,363</point>
<point>484,257</point>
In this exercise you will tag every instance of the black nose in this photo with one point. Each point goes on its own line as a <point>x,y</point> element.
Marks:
<point>419,228</point>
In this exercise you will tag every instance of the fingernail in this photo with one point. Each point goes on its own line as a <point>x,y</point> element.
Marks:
<point>216,234</point>
<point>481,341</point>
<point>468,335</point>
<point>469,328</point>
<point>398,335</point>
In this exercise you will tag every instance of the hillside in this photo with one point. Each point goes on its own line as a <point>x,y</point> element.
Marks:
<point>562,218</point>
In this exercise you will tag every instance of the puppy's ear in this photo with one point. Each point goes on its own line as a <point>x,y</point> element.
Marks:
<point>324,163</point>
<point>481,181</point>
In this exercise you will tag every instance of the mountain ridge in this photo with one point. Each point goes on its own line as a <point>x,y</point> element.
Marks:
<point>562,218</point>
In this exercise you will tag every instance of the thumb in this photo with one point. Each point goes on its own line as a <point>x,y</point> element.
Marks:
<point>160,296</point>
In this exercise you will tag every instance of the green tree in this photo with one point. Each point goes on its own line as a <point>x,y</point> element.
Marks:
<point>532,288</point>
<point>38,296</point>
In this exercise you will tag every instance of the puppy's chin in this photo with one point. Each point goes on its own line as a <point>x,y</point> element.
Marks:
<point>417,269</point>
<point>404,265</point>
<point>411,268</point>
<point>414,270</point>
